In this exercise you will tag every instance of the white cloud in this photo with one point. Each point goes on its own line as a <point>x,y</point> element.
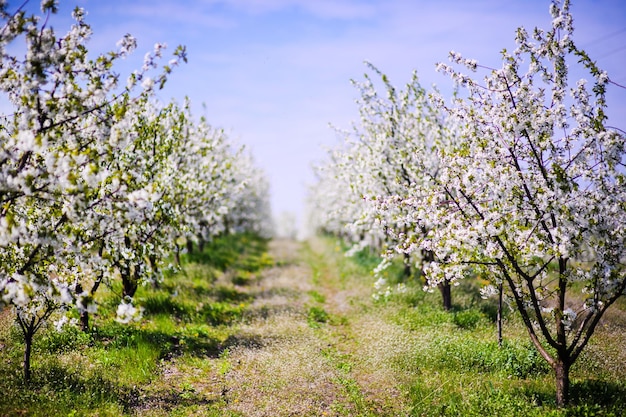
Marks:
<point>324,9</point>
<point>188,16</point>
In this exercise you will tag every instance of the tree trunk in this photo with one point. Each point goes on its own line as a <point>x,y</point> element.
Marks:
<point>201,243</point>
<point>28,341</point>
<point>446,295</point>
<point>84,321</point>
<point>407,266</point>
<point>84,315</point>
<point>29,328</point>
<point>177,255</point>
<point>499,314</point>
<point>129,283</point>
<point>561,370</point>
<point>189,246</point>
<point>154,266</point>
<point>427,257</point>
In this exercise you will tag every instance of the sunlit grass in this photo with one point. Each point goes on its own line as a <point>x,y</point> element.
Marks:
<point>301,335</point>
<point>109,370</point>
<point>449,363</point>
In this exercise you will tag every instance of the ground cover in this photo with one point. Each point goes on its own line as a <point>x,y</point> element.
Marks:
<point>280,328</point>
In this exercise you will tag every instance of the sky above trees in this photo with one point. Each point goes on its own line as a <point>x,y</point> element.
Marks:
<point>276,73</point>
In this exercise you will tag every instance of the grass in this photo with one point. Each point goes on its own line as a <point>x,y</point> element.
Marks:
<point>449,363</point>
<point>108,371</point>
<point>239,332</point>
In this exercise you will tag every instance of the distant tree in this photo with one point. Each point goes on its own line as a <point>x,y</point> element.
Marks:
<point>391,156</point>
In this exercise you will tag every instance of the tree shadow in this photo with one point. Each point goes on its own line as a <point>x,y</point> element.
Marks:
<point>600,393</point>
<point>135,401</point>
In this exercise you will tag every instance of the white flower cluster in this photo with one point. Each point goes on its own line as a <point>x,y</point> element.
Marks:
<point>382,291</point>
<point>127,312</point>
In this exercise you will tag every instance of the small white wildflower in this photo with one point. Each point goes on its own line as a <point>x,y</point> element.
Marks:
<point>380,283</point>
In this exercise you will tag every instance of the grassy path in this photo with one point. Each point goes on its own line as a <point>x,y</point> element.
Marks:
<point>313,343</point>
<point>301,351</point>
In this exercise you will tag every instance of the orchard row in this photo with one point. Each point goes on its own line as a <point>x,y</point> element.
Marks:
<point>99,182</point>
<point>518,179</point>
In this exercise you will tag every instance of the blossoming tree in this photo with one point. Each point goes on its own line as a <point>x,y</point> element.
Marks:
<point>51,170</point>
<point>90,171</point>
<point>533,193</point>
<point>390,156</point>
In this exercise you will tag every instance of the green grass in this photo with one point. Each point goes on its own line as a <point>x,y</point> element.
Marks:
<point>450,363</point>
<point>107,371</point>
<point>404,356</point>
<point>462,371</point>
<point>316,316</point>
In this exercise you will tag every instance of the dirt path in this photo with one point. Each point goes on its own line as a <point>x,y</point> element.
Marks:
<point>309,347</point>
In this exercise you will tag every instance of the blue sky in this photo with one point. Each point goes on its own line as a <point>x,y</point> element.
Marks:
<point>275,73</point>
